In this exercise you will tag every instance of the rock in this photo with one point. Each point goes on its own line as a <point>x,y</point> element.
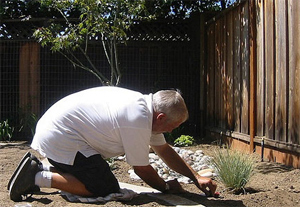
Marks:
<point>130,171</point>
<point>177,149</point>
<point>165,170</point>
<point>121,157</point>
<point>165,176</point>
<point>184,180</point>
<point>203,166</point>
<point>153,156</point>
<point>199,152</point>
<point>190,162</point>
<point>133,175</point>
<point>154,165</point>
<point>170,178</point>
<point>205,171</point>
<point>207,175</point>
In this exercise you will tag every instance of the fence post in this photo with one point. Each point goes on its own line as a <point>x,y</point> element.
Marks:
<point>253,71</point>
<point>29,77</point>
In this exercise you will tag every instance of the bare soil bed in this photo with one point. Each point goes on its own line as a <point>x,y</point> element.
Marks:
<point>273,185</point>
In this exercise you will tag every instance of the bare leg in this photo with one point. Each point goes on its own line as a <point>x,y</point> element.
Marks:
<point>69,183</point>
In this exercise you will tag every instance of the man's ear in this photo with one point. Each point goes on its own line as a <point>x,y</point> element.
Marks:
<point>161,116</point>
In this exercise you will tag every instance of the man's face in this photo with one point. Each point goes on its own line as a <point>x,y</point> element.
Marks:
<point>161,125</point>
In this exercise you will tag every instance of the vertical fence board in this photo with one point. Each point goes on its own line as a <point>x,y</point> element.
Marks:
<point>29,77</point>
<point>223,72</point>
<point>23,75</point>
<point>210,75</point>
<point>245,69</point>
<point>269,65</point>
<point>237,69</point>
<point>217,69</point>
<point>203,74</point>
<point>34,73</point>
<point>229,71</point>
<point>281,70</point>
<point>294,72</point>
<point>260,69</point>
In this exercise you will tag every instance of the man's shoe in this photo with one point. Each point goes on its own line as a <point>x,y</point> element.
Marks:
<point>23,182</point>
<point>28,154</point>
<point>32,157</point>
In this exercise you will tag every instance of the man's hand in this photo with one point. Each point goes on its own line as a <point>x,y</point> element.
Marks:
<point>207,185</point>
<point>176,163</point>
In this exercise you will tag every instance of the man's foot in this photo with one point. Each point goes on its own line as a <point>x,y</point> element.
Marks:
<point>23,182</point>
<point>32,157</point>
<point>28,154</point>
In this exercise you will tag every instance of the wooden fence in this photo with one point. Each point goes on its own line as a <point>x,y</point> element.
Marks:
<point>253,58</point>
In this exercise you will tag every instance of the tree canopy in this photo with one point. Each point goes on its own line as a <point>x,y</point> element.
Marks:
<point>19,9</point>
<point>105,20</point>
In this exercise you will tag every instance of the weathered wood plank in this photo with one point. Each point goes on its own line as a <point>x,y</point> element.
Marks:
<point>23,75</point>
<point>245,85</point>
<point>223,71</point>
<point>294,72</point>
<point>269,35</point>
<point>260,89</point>
<point>29,77</point>
<point>237,69</point>
<point>218,85</point>
<point>281,70</point>
<point>229,72</point>
<point>34,76</point>
<point>210,75</point>
<point>203,75</point>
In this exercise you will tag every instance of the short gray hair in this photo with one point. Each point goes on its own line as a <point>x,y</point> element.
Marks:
<point>171,103</point>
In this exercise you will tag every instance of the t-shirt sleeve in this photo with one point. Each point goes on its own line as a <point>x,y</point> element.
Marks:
<point>136,145</point>
<point>157,139</point>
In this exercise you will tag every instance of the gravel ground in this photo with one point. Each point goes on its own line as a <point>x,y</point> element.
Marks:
<point>273,185</point>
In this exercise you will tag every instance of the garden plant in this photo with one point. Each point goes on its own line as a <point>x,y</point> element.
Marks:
<point>184,141</point>
<point>234,168</point>
<point>6,131</point>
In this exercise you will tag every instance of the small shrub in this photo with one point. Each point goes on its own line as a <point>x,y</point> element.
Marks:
<point>234,168</point>
<point>172,136</point>
<point>6,131</point>
<point>184,141</point>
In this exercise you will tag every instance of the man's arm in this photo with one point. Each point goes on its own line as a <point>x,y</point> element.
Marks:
<point>176,163</point>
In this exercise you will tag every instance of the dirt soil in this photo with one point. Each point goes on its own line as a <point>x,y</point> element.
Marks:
<point>272,185</point>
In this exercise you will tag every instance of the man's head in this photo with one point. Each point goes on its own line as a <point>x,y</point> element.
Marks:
<point>169,111</point>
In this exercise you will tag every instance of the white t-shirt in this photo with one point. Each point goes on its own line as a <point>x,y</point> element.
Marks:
<point>105,120</point>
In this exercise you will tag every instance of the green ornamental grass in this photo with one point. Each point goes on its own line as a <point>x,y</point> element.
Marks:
<point>234,168</point>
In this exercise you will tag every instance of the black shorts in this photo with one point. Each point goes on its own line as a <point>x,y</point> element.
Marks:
<point>93,172</point>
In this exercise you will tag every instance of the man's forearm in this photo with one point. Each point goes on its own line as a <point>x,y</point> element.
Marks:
<point>175,162</point>
<point>150,176</point>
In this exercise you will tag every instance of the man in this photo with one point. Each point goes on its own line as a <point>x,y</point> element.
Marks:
<point>81,130</point>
